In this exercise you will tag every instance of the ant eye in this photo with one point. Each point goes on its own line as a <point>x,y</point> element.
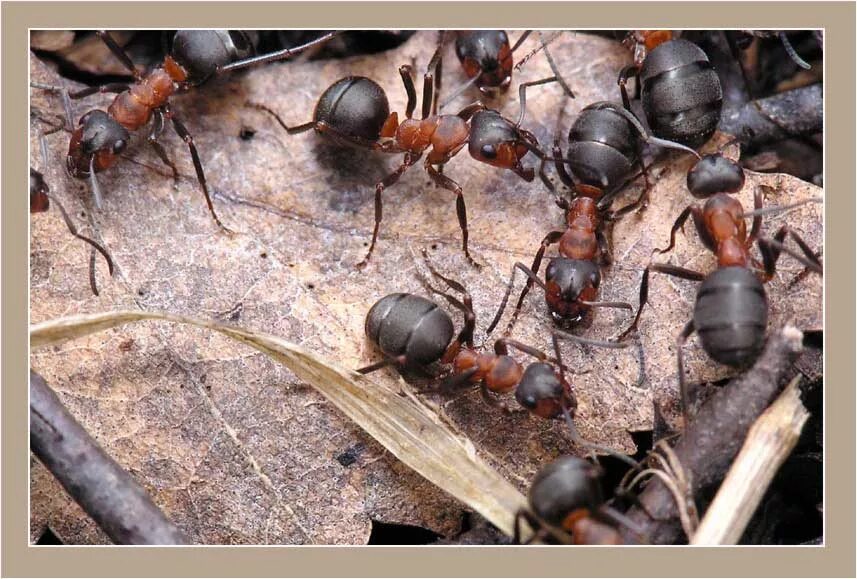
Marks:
<point>489,152</point>
<point>119,146</point>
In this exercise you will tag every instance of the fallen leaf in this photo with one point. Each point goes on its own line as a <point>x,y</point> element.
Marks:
<point>190,412</point>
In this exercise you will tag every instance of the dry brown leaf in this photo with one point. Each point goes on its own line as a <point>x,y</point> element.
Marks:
<point>163,399</point>
<point>404,426</point>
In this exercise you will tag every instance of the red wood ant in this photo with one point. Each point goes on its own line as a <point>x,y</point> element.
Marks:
<point>412,331</point>
<point>40,201</point>
<point>731,308</point>
<point>486,57</point>
<point>602,156</point>
<point>566,504</point>
<point>354,111</point>
<point>102,136</point>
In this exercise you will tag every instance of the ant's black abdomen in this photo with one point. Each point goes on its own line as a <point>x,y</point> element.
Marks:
<point>681,93</point>
<point>355,106</point>
<point>410,325</point>
<point>731,316</point>
<point>602,147</point>
<point>567,484</point>
<point>200,52</point>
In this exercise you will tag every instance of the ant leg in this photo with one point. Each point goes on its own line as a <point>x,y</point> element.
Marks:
<point>757,219</point>
<point>699,223</point>
<point>673,270</point>
<point>589,341</point>
<point>533,524</point>
<point>550,239</point>
<point>111,88</point>
<point>471,110</point>
<point>277,55</point>
<point>379,205</point>
<point>394,361</point>
<point>435,67</point>
<point>577,439</point>
<point>428,94</point>
<point>505,300</point>
<point>119,53</point>
<point>771,249</point>
<point>408,81</point>
<point>290,130</point>
<point>455,381</point>
<point>183,133</point>
<point>520,40</point>
<point>466,335</point>
<point>617,518</point>
<point>154,135</point>
<point>489,398</point>
<point>604,247</point>
<point>461,209</point>
<point>564,175</point>
<point>682,385</point>
<point>624,75</point>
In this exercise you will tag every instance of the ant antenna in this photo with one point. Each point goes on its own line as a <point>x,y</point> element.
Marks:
<point>792,52</point>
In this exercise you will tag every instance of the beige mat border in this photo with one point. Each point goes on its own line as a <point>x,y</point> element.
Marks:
<point>835,559</point>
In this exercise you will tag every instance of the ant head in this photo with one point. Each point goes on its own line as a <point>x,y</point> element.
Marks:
<point>566,490</point>
<point>354,106</point>
<point>714,174</point>
<point>542,392</point>
<point>200,52</point>
<point>570,280</point>
<point>39,200</point>
<point>486,54</point>
<point>97,141</point>
<point>496,140</point>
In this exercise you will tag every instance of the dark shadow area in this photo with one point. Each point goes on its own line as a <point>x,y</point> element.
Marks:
<point>393,534</point>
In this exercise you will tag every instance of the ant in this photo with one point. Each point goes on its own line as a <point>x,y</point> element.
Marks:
<point>101,136</point>
<point>565,503</point>
<point>412,332</point>
<point>679,90</point>
<point>354,111</point>
<point>604,145</point>
<point>731,308</point>
<point>486,58</point>
<point>40,202</point>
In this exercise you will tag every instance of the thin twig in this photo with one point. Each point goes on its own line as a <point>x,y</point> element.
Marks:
<point>108,494</point>
<point>768,445</point>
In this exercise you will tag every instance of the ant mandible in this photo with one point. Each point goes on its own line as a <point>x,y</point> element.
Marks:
<point>101,136</point>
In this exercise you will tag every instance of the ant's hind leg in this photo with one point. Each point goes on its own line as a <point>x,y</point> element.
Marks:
<point>379,204</point>
<point>182,132</point>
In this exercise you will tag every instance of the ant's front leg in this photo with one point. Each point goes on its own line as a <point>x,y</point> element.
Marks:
<point>461,209</point>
